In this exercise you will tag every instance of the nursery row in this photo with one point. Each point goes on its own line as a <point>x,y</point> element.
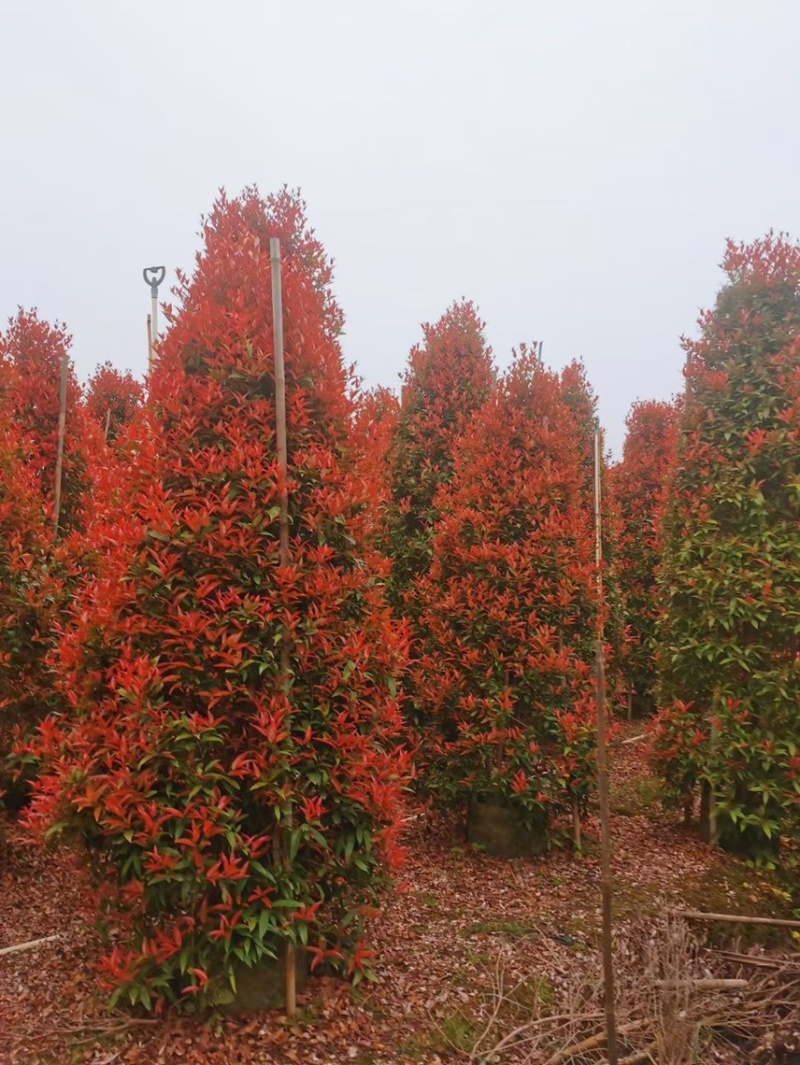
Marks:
<point>235,723</point>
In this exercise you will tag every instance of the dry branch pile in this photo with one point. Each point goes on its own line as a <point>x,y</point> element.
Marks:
<point>679,1002</point>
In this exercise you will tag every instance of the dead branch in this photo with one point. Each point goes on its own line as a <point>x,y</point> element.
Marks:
<point>736,918</point>
<point>674,990</point>
<point>703,984</point>
<point>751,959</point>
<point>30,945</point>
<point>637,1058</point>
<point>98,1027</point>
<point>592,1043</point>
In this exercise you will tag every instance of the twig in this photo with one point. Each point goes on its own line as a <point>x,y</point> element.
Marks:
<point>536,1023</point>
<point>633,739</point>
<point>498,969</point>
<point>751,959</point>
<point>17,947</point>
<point>99,1029</point>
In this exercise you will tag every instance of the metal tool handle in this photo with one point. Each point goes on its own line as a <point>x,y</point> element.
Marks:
<point>153,276</point>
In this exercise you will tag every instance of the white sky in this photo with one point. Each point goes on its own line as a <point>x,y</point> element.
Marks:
<point>573,166</point>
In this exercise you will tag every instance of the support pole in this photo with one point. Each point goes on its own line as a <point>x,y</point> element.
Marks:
<point>290,971</point>
<point>62,425</point>
<point>602,772</point>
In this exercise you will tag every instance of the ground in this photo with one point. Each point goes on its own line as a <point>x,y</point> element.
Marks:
<point>458,927</point>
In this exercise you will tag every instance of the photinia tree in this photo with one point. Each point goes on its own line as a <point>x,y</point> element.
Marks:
<point>374,425</point>
<point>509,605</point>
<point>729,656</point>
<point>231,749</point>
<point>112,399</point>
<point>449,376</point>
<point>35,349</point>
<point>640,483</point>
<point>24,542</point>
<point>37,575</point>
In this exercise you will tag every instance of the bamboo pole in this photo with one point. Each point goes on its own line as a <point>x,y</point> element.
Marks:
<point>290,959</point>
<point>62,425</point>
<point>602,772</point>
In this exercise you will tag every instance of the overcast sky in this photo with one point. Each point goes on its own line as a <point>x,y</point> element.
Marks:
<point>573,166</point>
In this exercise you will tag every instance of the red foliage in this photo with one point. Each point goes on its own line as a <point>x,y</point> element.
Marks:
<point>235,814</point>
<point>37,576</point>
<point>112,399</point>
<point>640,484</point>
<point>509,604</point>
<point>35,349</point>
<point>448,378</point>
<point>24,539</point>
<point>374,426</point>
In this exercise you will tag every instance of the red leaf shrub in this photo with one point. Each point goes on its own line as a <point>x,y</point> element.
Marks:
<point>640,483</point>
<point>509,604</point>
<point>448,378</point>
<point>24,540</point>
<point>112,399</point>
<point>36,575</point>
<point>35,350</point>
<point>374,427</point>
<point>234,816</point>
<point>729,660</point>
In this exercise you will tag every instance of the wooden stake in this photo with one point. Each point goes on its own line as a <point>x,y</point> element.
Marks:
<point>602,772</point>
<point>290,973</point>
<point>62,425</point>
